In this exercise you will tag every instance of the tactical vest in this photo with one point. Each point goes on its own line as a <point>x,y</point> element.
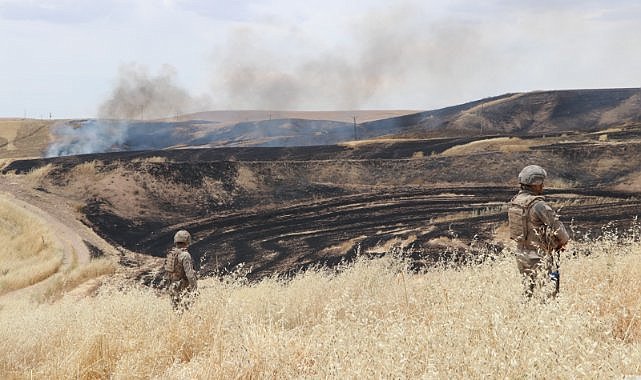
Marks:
<point>519,216</point>
<point>173,268</point>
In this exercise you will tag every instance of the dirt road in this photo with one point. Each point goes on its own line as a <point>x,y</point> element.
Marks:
<point>55,214</point>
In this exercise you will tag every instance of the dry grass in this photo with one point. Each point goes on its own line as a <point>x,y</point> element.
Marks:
<point>247,179</point>
<point>374,319</point>
<point>151,160</point>
<point>357,143</point>
<point>9,130</point>
<point>29,253</point>
<point>33,178</point>
<point>560,183</point>
<point>61,283</point>
<point>490,208</point>
<point>24,137</point>
<point>86,169</point>
<point>39,173</point>
<point>631,182</point>
<point>4,162</point>
<point>344,247</point>
<point>498,144</point>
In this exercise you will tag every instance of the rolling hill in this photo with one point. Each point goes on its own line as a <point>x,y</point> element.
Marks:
<point>522,114</point>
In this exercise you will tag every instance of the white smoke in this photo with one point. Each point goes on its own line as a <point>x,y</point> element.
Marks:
<point>90,136</point>
<point>387,55</point>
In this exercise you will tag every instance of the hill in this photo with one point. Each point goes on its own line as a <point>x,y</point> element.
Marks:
<point>522,114</point>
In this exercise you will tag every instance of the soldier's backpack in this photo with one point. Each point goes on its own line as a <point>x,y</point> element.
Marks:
<point>171,264</point>
<point>517,215</point>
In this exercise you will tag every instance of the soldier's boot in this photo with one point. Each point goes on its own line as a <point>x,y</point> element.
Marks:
<point>556,280</point>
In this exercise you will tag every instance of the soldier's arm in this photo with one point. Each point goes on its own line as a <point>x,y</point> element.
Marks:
<point>550,219</point>
<point>190,273</point>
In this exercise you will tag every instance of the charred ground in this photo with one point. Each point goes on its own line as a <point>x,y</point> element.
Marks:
<point>281,209</point>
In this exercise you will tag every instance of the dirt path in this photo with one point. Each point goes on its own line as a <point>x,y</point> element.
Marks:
<point>69,238</point>
<point>58,216</point>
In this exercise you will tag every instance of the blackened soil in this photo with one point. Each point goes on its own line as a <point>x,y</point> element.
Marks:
<point>94,251</point>
<point>395,150</point>
<point>285,239</point>
<point>116,229</point>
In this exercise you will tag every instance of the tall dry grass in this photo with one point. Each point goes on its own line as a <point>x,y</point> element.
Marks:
<point>32,178</point>
<point>372,319</point>
<point>62,282</point>
<point>28,253</point>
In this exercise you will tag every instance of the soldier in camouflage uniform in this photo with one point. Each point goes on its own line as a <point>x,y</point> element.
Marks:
<point>179,269</point>
<point>537,231</point>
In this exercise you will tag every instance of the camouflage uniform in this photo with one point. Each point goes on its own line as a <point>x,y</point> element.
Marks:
<point>179,268</point>
<point>539,234</point>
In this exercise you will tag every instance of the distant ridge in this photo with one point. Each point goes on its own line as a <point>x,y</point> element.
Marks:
<point>231,116</point>
<point>520,114</point>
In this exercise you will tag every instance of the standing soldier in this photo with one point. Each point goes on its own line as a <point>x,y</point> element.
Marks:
<point>179,268</point>
<point>537,231</point>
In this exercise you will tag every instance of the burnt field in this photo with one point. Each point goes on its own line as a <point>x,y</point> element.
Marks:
<point>426,225</point>
<point>279,210</point>
<point>368,151</point>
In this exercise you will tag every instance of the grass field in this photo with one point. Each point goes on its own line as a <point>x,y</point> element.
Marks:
<point>372,319</point>
<point>24,137</point>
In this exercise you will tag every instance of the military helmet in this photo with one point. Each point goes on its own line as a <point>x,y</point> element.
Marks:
<point>182,236</point>
<point>532,175</point>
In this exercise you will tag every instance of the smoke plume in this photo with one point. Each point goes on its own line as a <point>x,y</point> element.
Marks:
<point>139,95</point>
<point>90,136</point>
<point>391,55</point>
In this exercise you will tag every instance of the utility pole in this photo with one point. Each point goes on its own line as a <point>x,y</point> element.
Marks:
<point>355,135</point>
<point>482,116</point>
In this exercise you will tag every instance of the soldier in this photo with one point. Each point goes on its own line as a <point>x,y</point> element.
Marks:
<point>537,231</point>
<point>179,269</point>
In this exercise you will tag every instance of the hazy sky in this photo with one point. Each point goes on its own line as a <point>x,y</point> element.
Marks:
<point>80,58</point>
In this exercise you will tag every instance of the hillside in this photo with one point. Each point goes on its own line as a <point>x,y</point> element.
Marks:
<point>20,138</point>
<point>522,114</point>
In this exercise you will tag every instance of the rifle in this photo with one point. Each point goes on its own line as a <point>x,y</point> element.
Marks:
<point>556,274</point>
<point>555,250</point>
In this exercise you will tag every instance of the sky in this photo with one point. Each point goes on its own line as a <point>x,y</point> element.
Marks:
<point>155,58</point>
